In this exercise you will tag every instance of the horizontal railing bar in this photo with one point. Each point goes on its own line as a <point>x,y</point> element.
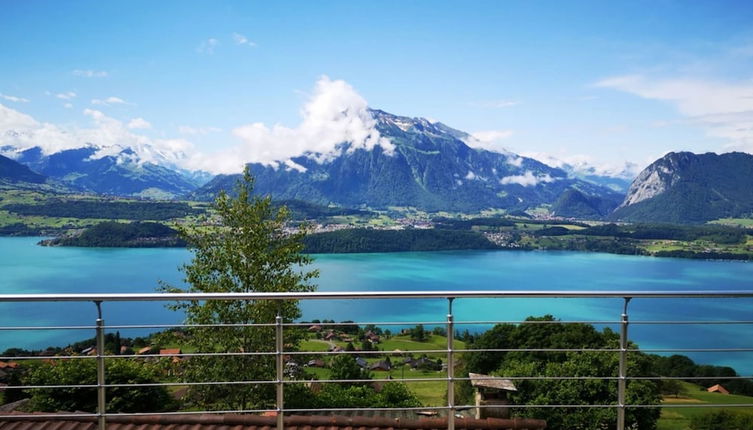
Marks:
<point>228,411</point>
<point>538,350</point>
<point>518,322</point>
<point>36,387</point>
<point>48,357</point>
<point>741,322</point>
<point>372,352</point>
<point>423,408</point>
<point>178,325</point>
<point>58,327</point>
<point>682,378</point>
<point>364,323</point>
<point>692,350</point>
<point>377,323</point>
<point>335,295</point>
<point>694,405</point>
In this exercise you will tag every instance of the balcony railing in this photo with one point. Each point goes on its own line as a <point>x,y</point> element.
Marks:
<point>447,322</point>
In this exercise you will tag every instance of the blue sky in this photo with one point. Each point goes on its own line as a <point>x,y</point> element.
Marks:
<point>603,82</point>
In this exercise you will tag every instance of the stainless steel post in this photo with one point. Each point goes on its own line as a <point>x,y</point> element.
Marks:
<point>279,367</point>
<point>621,382</point>
<point>100,340</point>
<point>450,367</point>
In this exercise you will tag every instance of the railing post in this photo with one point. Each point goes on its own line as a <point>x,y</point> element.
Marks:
<point>279,367</point>
<point>621,382</point>
<point>100,340</point>
<point>450,367</point>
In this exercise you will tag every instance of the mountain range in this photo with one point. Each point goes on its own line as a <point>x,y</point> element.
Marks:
<point>429,166</point>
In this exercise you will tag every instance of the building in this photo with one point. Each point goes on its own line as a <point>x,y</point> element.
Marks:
<point>491,395</point>
<point>717,389</point>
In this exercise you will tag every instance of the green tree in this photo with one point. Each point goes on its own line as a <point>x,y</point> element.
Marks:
<point>583,392</point>
<point>84,372</point>
<point>344,366</point>
<point>418,333</point>
<point>250,251</point>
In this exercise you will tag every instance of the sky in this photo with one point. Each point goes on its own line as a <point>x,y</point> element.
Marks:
<point>212,84</point>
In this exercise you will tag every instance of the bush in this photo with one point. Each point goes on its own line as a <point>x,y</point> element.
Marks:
<point>84,372</point>
<point>723,419</point>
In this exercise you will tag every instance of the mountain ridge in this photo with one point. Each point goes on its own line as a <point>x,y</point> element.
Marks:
<point>683,187</point>
<point>430,166</point>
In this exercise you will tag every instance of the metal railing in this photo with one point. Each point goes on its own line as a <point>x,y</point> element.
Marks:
<point>449,324</point>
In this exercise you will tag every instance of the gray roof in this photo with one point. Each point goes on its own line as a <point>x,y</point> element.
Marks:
<point>480,380</point>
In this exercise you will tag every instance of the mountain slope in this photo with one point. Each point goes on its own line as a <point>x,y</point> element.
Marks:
<point>683,187</point>
<point>119,175</point>
<point>574,204</point>
<point>13,172</point>
<point>431,168</point>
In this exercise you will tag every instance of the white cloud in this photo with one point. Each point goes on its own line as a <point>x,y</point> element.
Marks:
<point>109,101</point>
<point>139,123</point>
<point>491,140</point>
<point>207,46</point>
<point>108,135</point>
<point>527,179</point>
<point>21,131</point>
<point>200,131</point>
<point>69,95</point>
<point>68,105</point>
<point>90,73</point>
<point>587,165</point>
<point>335,114</point>
<point>723,109</point>
<point>14,98</point>
<point>240,39</point>
<point>494,104</point>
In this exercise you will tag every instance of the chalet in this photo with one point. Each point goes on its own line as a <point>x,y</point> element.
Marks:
<point>330,336</point>
<point>381,365</point>
<point>8,364</point>
<point>717,389</point>
<point>316,328</point>
<point>315,363</point>
<point>144,350</point>
<point>371,336</point>
<point>362,363</point>
<point>491,391</point>
<point>172,352</point>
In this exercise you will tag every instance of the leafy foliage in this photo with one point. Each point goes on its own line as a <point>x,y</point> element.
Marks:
<point>115,234</point>
<point>250,252</point>
<point>84,372</point>
<point>367,240</point>
<point>344,367</point>
<point>546,333</point>
<point>723,419</point>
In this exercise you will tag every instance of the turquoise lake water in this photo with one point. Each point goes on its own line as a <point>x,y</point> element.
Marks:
<point>28,268</point>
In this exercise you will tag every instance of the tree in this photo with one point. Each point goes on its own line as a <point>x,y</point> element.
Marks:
<point>345,367</point>
<point>583,392</point>
<point>418,333</point>
<point>83,371</point>
<point>250,251</point>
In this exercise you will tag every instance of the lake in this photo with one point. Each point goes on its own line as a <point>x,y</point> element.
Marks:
<point>29,268</point>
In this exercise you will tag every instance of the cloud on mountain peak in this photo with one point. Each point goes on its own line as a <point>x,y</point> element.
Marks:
<point>334,114</point>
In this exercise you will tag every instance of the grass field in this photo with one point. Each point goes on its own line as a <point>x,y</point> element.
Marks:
<point>430,393</point>
<point>678,418</point>
<point>737,222</point>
